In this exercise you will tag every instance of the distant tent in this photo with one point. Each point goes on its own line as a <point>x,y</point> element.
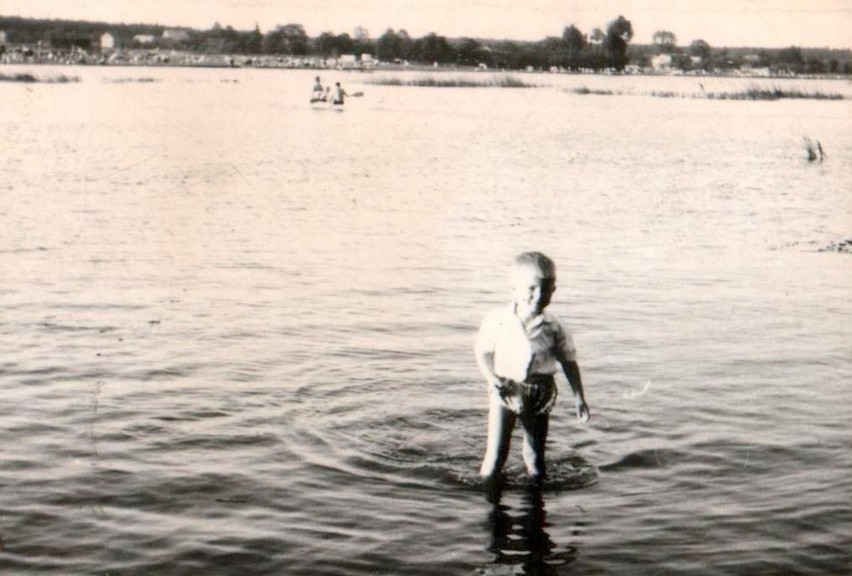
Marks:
<point>107,41</point>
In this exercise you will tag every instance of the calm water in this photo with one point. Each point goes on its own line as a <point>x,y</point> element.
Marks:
<point>237,332</point>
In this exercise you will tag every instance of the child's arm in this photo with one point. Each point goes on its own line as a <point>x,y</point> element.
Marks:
<point>572,372</point>
<point>485,361</point>
<point>484,352</point>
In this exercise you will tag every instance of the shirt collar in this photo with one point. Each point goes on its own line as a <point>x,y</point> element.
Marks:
<point>546,317</point>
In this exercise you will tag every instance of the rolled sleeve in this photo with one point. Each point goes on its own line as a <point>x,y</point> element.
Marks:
<point>487,335</point>
<point>564,344</point>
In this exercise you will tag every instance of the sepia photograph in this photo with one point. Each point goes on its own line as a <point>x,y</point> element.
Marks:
<point>425,287</point>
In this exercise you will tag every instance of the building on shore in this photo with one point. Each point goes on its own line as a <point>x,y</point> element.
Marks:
<point>353,61</point>
<point>661,63</point>
<point>175,36</point>
<point>347,61</point>
<point>107,42</point>
<point>144,39</point>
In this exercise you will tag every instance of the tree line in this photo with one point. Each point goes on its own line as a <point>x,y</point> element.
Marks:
<point>607,48</point>
<point>699,55</point>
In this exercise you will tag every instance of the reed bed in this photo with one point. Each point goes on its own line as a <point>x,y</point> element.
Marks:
<point>844,246</point>
<point>584,90</point>
<point>130,80</point>
<point>754,92</point>
<point>506,81</point>
<point>29,78</point>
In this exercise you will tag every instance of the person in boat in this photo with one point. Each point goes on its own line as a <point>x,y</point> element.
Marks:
<point>339,94</point>
<point>318,94</point>
<point>519,349</point>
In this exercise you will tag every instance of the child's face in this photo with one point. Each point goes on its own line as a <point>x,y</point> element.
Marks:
<point>531,292</point>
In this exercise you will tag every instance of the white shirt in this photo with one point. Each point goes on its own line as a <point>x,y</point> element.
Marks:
<point>520,351</point>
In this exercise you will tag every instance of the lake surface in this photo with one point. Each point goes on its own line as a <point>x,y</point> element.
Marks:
<point>237,332</point>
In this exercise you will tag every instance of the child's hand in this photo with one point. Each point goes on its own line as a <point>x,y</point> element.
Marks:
<point>583,414</point>
<point>498,386</point>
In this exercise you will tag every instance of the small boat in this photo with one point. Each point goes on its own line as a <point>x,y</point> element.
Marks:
<point>323,104</point>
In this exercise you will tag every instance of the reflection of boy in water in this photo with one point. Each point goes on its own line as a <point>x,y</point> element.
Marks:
<point>521,539</point>
<point>517,350</point>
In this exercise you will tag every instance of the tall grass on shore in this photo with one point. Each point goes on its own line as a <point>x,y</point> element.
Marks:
<point>29,78</point>
<point>505,81</point>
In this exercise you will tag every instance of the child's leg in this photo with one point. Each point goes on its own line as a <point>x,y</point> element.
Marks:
<point>501,421</point>
<point>535,439</point>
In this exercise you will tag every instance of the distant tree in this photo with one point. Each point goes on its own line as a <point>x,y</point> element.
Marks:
<point>790,59</point>
<point>365,47</point>
<point>230,33</point>
<point>343,44</point>
<point>387,46</point>
<point>552,52</point>
<point>724,60</point>
<point>508,54</point>
<point>699,48</point>
<point>618,35</point>
<point>764,59</point>
<point>392,46</point>
<point>791,55</point>
<point>574,40</point>
<point>597,36</point>
<point>469,52</point>
<point>814,65</point>
<point>681,61</point>
<point>288,39</point>
<point>360,33</point>
<point>324,44</point>
<point>273,43</point>
<point>432,48</point>
<point>251,42</point>
<point>406,45</point>
<point>664,41</point>
<point>641,55</point>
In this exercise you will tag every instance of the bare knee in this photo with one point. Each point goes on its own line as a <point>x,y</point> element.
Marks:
<point>500,424</point>
<point>535,438</point>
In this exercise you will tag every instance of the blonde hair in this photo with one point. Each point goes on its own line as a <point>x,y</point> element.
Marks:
<point>540,262</point>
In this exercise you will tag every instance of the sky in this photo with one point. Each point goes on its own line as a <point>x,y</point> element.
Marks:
<point>721,23</point>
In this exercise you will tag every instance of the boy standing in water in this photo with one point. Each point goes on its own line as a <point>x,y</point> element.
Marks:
<point>518,349</point>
